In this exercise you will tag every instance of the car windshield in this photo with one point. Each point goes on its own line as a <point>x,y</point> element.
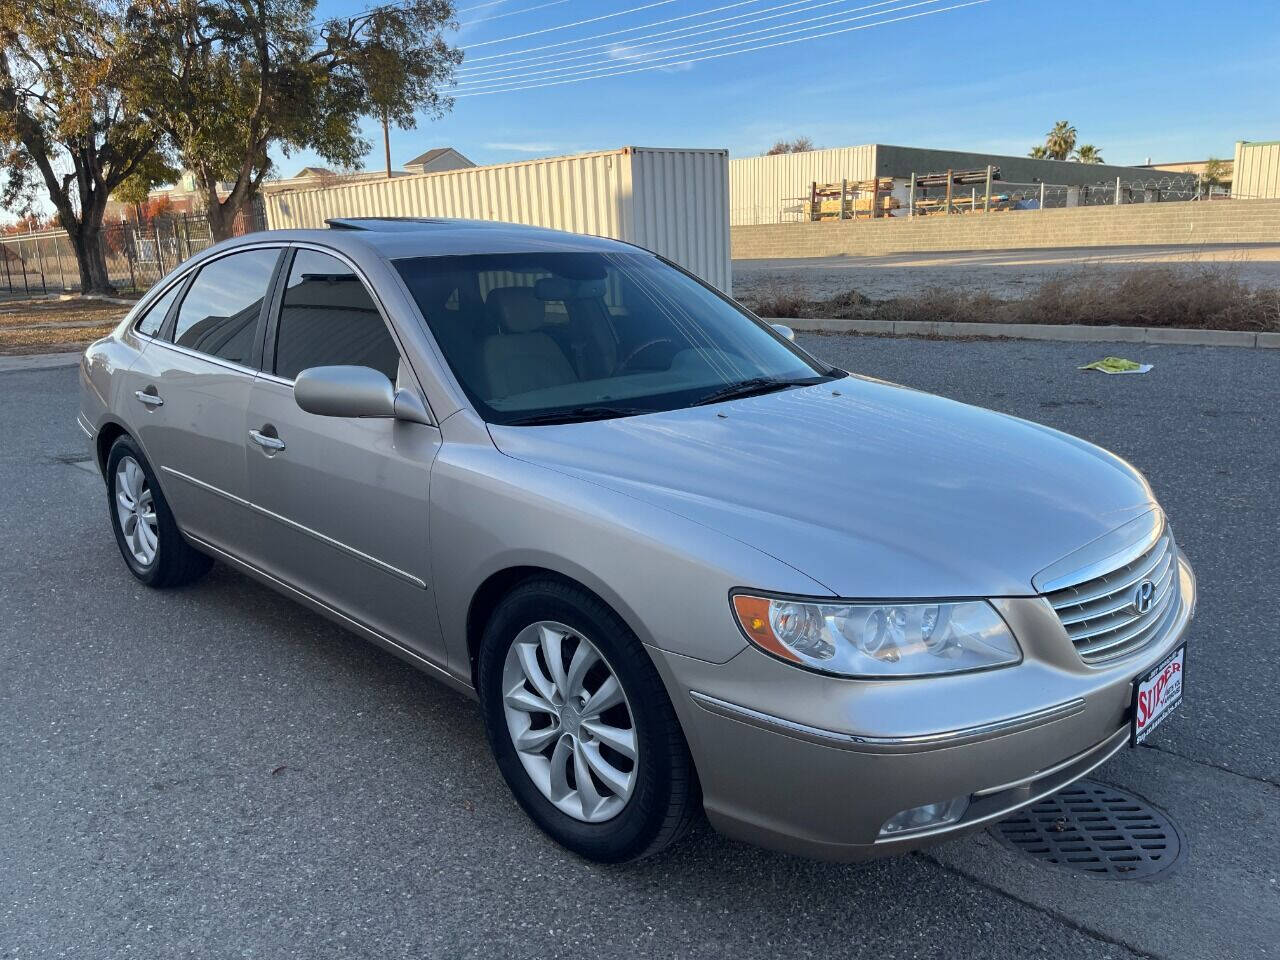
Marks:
<point>558,337</point>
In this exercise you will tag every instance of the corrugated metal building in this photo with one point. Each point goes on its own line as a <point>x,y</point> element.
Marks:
<point>1256,171</point>
<point>772,189</point>
<point>674,202</point>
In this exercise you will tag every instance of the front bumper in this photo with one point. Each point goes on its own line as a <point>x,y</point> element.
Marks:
<point>815,765</point>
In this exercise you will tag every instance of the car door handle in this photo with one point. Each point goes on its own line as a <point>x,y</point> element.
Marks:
<point>262,440</point>
<point>150,399</point>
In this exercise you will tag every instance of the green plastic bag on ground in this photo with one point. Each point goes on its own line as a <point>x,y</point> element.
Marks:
<point>1117,365</point>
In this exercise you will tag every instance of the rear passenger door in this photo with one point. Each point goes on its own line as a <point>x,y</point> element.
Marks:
<point>345,500</point>
<point>190,389</point>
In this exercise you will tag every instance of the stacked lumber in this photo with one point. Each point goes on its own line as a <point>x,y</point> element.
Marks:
<point>851,199</point>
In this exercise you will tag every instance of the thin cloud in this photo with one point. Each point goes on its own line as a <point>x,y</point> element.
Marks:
<point>522,147</point>
<point>635,55</point>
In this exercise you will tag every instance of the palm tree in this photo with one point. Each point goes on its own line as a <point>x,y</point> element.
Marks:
<point>1061,140</point>
<point>1038,152</point>
<point>1088,153</point>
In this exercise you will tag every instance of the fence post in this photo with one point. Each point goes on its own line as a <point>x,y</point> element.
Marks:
<point>844,191</point>
<point>1117,191</point>
<point>986,201</point>
<point>57,252</point>
<point>4,249</point>
<point>128,242</point>
<point>155,233</point>
<point>1041,194</point>
<point>911,197</point>
<point>950,180</point>
<point>813,200</point>
<point>44,287</point>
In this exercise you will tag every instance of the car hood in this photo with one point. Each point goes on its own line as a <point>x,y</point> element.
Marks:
<point>872,489</point>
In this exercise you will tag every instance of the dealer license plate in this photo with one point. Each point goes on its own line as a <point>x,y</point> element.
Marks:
<point>1156,694</point>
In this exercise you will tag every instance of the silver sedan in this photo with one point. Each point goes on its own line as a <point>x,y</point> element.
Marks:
<point>682,565</point>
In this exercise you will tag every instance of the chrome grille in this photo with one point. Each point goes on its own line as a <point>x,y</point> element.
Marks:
<point>1100,615</point>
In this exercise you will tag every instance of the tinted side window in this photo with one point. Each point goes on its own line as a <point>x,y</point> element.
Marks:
<point>328,318</point>
<point>219,314</point>
<point>153,319</point>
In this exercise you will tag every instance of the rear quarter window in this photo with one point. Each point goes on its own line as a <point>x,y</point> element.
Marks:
<point>152,318</point>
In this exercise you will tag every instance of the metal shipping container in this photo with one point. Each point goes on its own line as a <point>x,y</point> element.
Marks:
<point>674,202</point>
<point>1255,174</point>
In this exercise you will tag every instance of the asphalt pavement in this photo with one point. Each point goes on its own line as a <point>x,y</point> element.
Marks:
<point>217,772</point>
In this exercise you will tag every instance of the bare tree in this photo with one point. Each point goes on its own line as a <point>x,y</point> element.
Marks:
<point>798,145</point>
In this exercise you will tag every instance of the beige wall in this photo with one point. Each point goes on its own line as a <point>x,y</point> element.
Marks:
<point>767,189</point>
<point>1257,170</point>
<point>1222,221</point>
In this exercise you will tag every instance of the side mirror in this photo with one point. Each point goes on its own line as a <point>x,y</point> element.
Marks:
<point>355,392</point>
<point>783,329</point>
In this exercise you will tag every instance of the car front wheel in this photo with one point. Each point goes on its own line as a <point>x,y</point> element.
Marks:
<point>581,725</point>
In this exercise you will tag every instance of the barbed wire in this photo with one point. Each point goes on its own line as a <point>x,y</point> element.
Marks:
<point>1005,196</point>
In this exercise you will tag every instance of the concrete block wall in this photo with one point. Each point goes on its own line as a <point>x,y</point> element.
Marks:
<point>1225,221</point>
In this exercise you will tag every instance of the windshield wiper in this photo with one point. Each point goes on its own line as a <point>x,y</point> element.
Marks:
<point>577,415</point>
<point>753,387</point>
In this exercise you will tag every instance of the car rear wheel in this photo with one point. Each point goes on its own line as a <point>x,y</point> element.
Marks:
<point>152,546</point>
<point>581,725</point>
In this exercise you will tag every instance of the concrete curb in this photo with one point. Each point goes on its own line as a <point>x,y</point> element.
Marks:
<point>1039,331</point>
<point>40,361</point>
<point>101,297</point>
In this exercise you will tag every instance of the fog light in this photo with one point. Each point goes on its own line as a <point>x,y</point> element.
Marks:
<point>926,817</point>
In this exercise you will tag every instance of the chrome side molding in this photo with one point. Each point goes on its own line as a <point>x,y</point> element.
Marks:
<point>874,744</point>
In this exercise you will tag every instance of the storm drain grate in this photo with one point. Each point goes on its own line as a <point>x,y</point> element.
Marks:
<point>1095,829</point>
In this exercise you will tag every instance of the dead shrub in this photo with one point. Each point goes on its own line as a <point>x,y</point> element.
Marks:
<point>1206,297</point>
<point>778,301</point>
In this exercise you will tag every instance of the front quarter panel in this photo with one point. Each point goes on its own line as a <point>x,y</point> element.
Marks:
<point>667,577</point>
<point>104,371</point>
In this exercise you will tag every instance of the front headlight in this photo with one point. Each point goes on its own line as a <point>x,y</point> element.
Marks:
<point>879,640</point>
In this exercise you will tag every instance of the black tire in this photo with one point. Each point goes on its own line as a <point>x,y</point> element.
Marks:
<point>176,562</point>
<point>666,798</point>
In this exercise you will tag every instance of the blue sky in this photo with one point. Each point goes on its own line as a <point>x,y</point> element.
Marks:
<point>1173,80</point>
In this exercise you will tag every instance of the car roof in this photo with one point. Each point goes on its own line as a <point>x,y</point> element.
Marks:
<point>401,237</point>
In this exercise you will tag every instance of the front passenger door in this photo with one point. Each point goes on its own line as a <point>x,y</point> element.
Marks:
<point>345,500</point>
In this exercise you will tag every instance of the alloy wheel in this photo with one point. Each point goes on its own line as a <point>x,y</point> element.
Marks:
<point>570,721</point>
<point>136,511</point>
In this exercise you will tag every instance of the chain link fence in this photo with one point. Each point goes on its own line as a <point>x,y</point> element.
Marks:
<point>1006,195</point>
<point>137,254</point>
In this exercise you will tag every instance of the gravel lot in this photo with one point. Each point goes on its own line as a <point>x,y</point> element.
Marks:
<point>216,772</point>
<point>1007,274</point>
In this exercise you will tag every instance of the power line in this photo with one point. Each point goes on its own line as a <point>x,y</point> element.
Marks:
<point>731,53</point>
<point>512,13</point>
<point>703,46</point>
<point>691,30</point>
<point>477,6</point>
<point>614,33</point>
<point>578,23</point>
<point>553,60</point>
